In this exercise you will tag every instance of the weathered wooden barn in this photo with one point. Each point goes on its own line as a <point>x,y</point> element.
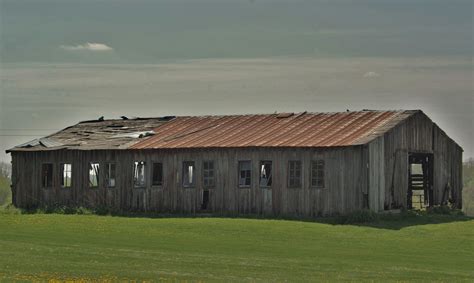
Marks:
<point>303,164</point>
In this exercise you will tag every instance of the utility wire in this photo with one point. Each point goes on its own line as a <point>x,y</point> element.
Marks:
<point>29,129</point>
<point>2,135</point>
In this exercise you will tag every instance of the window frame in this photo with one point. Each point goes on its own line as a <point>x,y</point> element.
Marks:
<point>106,174</point>
<point>193,181</point>
<point>318,162</point>
<point>89,176</point>
<point>239,171</point>
<point>52,175</point>
<point>152,174</point>
<point>204,177</point>
<point>289,177</point>
<point>270,179</point>
<point>134,183</point>
<point>61,175</point>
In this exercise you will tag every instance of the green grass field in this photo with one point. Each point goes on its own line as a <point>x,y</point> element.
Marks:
<point>39,247</point>
<point>90,247</point>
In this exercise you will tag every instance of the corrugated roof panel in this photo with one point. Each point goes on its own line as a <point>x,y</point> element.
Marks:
<point>273,130</point>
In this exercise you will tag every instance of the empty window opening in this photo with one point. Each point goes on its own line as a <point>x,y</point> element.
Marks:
<point>317,173</point>
<point>245,173</point>
<point>205,200</point>
<point>47,175</point>
<point>208,173</point>
<point>420,194</point>
<point>139,176</point>
<point>265,173</point>
<point>157,174</point>
<point>188,174</point>
<point>93,175</point>
<point>66,175</point>
<point>110,171</point>
<point>294,174</point>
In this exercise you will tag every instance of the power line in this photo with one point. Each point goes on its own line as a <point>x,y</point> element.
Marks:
<point>29,129</point>
<point>8,135</point>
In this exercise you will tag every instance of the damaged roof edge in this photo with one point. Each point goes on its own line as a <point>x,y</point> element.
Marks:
<point>46,142</point>
<point>125,118</point>
<point>96,134</point>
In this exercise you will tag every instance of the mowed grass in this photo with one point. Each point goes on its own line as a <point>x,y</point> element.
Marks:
<point>90,247</point>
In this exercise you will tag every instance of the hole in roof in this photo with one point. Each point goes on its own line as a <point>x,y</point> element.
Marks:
<point>166,118</point>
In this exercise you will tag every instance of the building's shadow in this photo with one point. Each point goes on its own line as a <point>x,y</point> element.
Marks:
<point>392,221</point>
<point>397,224</point>
<point>364,219</point>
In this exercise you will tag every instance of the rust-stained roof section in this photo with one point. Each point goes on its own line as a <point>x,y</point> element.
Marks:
<point>273,130</point>
<point>228,131</point>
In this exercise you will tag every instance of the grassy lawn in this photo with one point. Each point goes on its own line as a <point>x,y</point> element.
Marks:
<point>51,246</point>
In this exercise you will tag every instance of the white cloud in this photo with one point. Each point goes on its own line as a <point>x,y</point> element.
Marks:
<point>87,46</point>
<point>371,75</point>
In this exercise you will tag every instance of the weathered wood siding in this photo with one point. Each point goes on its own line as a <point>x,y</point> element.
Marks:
<point>447,166</point>
<point>376,167</point>
<point>345,181</point>
<point>419,134</point>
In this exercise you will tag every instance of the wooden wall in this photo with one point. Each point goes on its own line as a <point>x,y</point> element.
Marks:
<point>448,166</point>
<point>419,134</point>
<point>376,165</point>
<point>345,181</point>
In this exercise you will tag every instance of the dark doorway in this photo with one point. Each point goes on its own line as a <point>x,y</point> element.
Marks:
<point>420,180</point>
<point>205,199</point>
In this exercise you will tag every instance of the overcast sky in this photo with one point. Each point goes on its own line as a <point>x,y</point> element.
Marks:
<point>62,61</point>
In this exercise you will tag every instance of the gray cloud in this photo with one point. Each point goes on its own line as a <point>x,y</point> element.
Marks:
<point>87,47</point>
<point>371,75</point>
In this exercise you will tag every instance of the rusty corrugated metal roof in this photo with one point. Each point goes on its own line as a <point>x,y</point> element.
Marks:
<point>261,130</point>
<point>273,130</point>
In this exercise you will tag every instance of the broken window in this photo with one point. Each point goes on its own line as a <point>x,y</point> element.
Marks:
<point>208,173</point>
<point>188,174</point>
<point>294,174</point>
<point>157,174</point>
<point>245,173</point>
<point>317,173</point>
<point>93,175</point>
<point>66,174</point>
<point>139,179</point>
<point>47,175</point>
<point>110,169</point>
<point>265,173</point>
